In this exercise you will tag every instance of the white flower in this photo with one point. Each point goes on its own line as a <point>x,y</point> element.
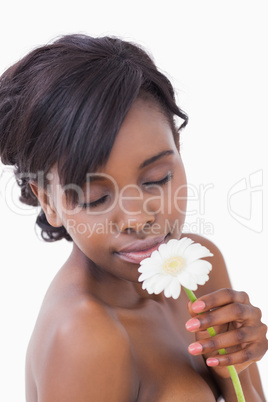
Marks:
<point>176,263</point>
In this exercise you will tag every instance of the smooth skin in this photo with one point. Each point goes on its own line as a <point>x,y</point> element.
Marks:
<point>99,337</point>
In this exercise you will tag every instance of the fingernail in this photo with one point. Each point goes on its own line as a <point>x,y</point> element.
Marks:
<point>192,324</point>
<point>212,362</point>
<point>198,306</point>
<point>195,348</point>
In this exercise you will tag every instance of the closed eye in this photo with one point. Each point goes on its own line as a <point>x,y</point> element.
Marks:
<point>159,182</point>
<point>94,204</point>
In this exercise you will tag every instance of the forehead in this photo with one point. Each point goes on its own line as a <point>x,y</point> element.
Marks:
<point>144,132</point>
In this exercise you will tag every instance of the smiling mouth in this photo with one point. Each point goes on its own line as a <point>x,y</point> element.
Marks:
<point>137,255</point>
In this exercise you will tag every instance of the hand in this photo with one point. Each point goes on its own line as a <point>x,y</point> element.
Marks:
<point>238,326</point>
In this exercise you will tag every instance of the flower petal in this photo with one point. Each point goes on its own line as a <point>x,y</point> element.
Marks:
<point>199,270</point>
<point>150,265</point>
<point>150,290</point>
<point>202,280</point>
<point>199,267</point>
<point>182,245</point>
<point>173,247</point>
<point>150,282</point>
<point>164,252</point>
<point>167,291</point>
<point>145,275</point>
<point>162,284</point>
<point>175,288</point>
<point>195,252</point>
<point>187,280</point>
<point>155,256</point>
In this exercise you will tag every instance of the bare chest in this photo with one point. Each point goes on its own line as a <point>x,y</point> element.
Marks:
<point>164,367</point>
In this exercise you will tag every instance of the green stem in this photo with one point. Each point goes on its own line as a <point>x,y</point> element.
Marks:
<point>231,369</point>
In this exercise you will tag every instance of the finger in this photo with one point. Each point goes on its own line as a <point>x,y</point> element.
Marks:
<point>237,338</point>
<point>219,298</point>
<point>241,313</point>
<point>252,352</point>
<point>189,305</point>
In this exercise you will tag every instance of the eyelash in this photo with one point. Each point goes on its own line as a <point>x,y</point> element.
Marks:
<point>167,178</point>
<point>94,204</point>
<point>102,200</point>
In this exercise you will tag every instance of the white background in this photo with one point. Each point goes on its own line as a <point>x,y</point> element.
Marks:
<point>215,53</point>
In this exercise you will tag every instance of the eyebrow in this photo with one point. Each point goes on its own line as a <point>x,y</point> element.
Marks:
<point>145,163</point>
<point>155,158</point>
<point>96,177</point>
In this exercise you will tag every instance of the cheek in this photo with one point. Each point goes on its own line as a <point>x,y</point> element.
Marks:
<point>92,238</point>
<point>179,190</point>
<point>86,230</point>
<point>175,215</point>
<point>179,197</point>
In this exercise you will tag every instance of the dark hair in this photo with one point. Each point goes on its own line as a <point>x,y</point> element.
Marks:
<point>65,102</point>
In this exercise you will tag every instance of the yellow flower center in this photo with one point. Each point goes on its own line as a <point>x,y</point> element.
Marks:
<point>174,265</point>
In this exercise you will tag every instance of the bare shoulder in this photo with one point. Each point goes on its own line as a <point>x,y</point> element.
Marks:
<point>219,277</point>
<point>88,357</point>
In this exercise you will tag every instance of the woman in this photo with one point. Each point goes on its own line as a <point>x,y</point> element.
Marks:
<point>89,124</point>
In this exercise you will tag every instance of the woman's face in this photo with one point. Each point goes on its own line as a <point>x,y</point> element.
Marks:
<point>135,203</point>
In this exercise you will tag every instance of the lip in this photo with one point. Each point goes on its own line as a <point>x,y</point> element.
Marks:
<point>139,250</point>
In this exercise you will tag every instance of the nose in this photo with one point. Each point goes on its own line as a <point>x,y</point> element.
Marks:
<point>136,224</point>
<point>132,216</point>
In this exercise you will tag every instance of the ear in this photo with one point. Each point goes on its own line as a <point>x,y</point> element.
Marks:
<point>47,205</point>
